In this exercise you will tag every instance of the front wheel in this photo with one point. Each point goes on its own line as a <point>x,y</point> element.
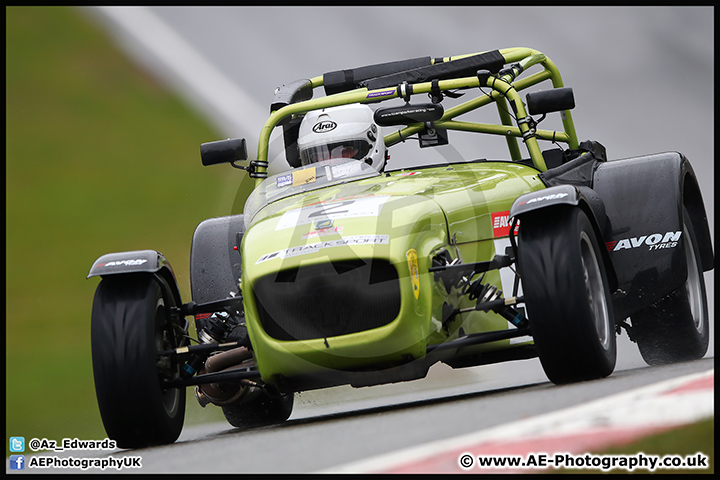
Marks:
<point>130,325</point>
<point>567,295</point>
<point>677,327</point>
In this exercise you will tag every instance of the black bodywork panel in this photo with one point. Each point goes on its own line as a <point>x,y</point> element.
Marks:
<point>215,264</point>
<point>637,207</point>
<point>644,198</point>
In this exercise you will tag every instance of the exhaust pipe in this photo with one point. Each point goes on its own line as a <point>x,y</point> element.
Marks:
<point>226,393</point>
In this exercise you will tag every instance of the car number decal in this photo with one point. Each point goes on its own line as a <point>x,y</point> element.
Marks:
<point>361,207</point>
<point>316,247</point>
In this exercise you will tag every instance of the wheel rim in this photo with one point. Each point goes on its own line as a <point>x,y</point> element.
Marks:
<point>595,291</point>
<point>693,286</point>
<point>171,396</point>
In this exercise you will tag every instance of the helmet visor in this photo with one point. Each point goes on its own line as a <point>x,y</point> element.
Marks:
<point>357,149</point>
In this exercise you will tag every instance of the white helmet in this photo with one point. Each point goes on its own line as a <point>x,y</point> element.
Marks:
<point>346,131</point>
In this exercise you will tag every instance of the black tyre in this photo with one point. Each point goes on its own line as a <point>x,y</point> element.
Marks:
<point>676,328</point>
<point>129,328</point>
<point>567,295</point>
<point>261,410</point>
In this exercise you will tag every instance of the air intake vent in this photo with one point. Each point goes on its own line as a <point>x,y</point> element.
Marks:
<point>327,300</point>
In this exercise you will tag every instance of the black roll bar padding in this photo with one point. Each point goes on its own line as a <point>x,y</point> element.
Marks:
<point>462,67</point>
<point>408,114</point>
<point>297,91</point>
<point>344,80</point>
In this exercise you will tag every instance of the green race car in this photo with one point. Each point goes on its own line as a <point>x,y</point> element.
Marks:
<point>341,269</point>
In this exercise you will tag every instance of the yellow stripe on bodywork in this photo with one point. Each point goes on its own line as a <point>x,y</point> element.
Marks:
<point>414,273</point>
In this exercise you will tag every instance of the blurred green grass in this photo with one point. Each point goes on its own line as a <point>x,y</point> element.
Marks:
<point>100,157</point>
<point>684,441</point>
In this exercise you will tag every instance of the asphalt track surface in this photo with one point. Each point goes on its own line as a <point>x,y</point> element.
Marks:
<point>643,82</point>
<point>344,426</point>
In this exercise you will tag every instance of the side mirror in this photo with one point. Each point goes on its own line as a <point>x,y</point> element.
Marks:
<point>223,151</point>
<point>408,114</point>
<point>546,101</point>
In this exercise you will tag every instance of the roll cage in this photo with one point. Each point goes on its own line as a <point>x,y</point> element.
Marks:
<point>495,70</point>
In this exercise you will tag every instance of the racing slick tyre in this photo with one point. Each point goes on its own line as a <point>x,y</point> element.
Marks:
<point>262,410</point>
<point>676,328</point>
<point>129,327</point>
<point>567,295</point>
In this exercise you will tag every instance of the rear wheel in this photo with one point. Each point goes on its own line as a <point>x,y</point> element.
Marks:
<point>264,409</point>
<point>129,327</point>
<point>676,328</point>
<point>567,295</point>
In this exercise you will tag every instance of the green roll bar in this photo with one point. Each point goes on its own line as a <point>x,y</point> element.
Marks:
<point>503,89</point>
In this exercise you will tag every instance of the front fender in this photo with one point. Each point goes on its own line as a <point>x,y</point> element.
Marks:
<point>582,197</point>
<point>137,261</point>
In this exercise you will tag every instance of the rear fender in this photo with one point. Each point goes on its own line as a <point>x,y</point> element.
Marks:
<point>692,199</point>
<point>134,262</point>
<point>644,199</point>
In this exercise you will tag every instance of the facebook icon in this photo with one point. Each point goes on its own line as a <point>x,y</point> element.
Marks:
<point>17,462</point>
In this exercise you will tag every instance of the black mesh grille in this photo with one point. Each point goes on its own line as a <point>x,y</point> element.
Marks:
<point>328,300</point>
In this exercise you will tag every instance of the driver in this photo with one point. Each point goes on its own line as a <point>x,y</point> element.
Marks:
<point>347,131</point>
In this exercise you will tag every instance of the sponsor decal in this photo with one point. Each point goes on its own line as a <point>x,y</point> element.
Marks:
<point>326,223</point>
<point>316,247</point>
<point>350,208</point>
<point>501,224</point>
<point>300,177</point>
<point>409,174</point>
<point>655,241</point>
<point>384,93</point>
<point>123,263</point>
<point>408,110</point>
<point>284,180</point>
<point>414,273</point>
<point>322,232</point>
<point>324,126</point>
<point>303,177</point>
<point>552,196</point>
<point>343,170</point>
